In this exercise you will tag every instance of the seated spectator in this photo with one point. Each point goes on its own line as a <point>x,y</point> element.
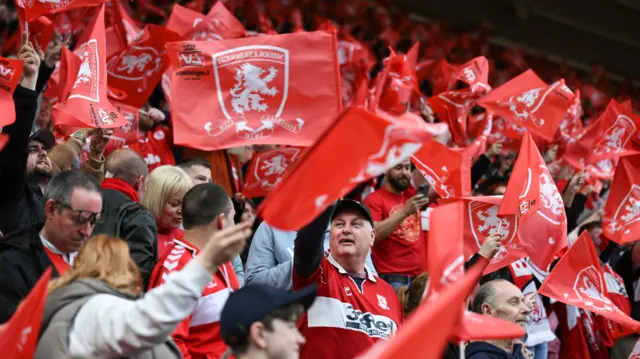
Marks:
<point>72,207</point>
<point>354,309</point>
<point>95,309</point>
<point>260,322</point>
<point>198,169</point>
<point>166,188</point>
<point>500,299</point>
<point>122,215</point>
<point>206,210</point>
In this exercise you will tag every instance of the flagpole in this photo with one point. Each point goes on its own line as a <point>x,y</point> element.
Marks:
<point>462,348</point>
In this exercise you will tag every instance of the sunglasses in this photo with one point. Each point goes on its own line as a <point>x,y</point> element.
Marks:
<point>81,217</point>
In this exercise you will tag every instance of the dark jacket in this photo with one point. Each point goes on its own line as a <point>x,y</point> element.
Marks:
<point>20,202</point>
<point>22,262</point>
<point>121,217</point>
<point>484,350</point>
<point>61,308</point>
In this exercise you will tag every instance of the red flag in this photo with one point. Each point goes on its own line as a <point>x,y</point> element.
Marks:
<point>4,139</point>
<point>482,220</point>
<point>256,90</point>
<point>137,70</point>
<point>436,317</point>
<point>166,86</point>
<point>523,191</point>
<point>126,27</point>
<point>571,126</point>
<point>87,105</point>
<point>266,170</point>
<point>578,280</point>
<point>444,259</point>
<point>474,73</point>
<point>36,8</point>
<point>183,20</point>
<point>453,108</point>
<point>69,66</point>
<point>128,133</point>
<point>219,24</point>
<point>10,73</point>
<point>439,73</point>
<point>446,170</point>
<point>385,142</point>
<point>527,101</point>
<point>474,326</point>
<point>621,221</point>
<point>19,336</point>
<point>40,32</point>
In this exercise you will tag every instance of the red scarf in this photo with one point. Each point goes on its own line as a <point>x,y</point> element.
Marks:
<point>120,186</point>
<point>58,262</point>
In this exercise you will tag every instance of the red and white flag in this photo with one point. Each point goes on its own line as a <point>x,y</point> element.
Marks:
<point>257,90</point>
<point>444,258</point>
<point>219,24</point>
<point>69,66</point>
<point>528,102</point>
<point>128,133</point>
<point>10,74</point>
<point>267,169</point>
<point>439,73</point>
<point>40,32</point>
<point>87,105</point>
<point>135,71</point>
<point>447,171</point>
<point>386,141</point>
<point>578,280</point>
<point>621,220</point>
<point>19,336</point>
<point>33,9</point>
<point>183,20</point>
<point>125,26</point>
<point>635,354</point>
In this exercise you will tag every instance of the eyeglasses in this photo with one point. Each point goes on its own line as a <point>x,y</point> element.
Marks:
<point>81,217</point>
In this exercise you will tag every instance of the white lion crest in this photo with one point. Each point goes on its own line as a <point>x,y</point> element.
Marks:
<point>250,84</point>
<point>549,195</point>
<point>492,223</point>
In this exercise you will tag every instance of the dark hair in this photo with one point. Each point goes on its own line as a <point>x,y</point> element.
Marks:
<point>61,186</point>
<point>240,206</point>
<point>288,313</point>
<point>190,162</point>
<point>127,165</point>
<point>203,204</point>
<point>411,296</point>
<point>485,294</point>
<point>589,226</point>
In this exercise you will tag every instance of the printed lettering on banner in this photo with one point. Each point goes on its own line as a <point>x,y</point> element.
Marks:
<point>191,57</point>
<point>252,85</point>
<point>552,208</point>
<point>270,166</point>
<point>87,81</point>
<point>136,64</point>
<point>628,211</point>
<point>485,222</point>
<point>589,287</point>
<point>398,144</point>
<point>6,72</point>
<point>616,137</point>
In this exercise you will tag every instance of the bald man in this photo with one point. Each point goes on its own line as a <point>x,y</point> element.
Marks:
<point>122,215</point>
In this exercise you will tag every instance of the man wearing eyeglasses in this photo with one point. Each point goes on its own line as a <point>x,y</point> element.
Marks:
<point>72,205</point>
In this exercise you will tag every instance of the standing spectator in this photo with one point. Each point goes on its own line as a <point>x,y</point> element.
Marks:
<point>155,140</point>
<point>245,211</point>
<point>166,188</point>
<point>500,299</point>
<point>122,215</point>
<point>198,169</point>
<point>260,322</point>
<point>72,207</point>
<point>206,209</point>
<point>354,308</point>
<point>95,309</point>
<point>398,252</point>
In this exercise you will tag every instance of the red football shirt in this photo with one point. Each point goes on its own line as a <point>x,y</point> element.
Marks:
<point>155,147</point>
<point>346,319</point>
<point>402,252</point>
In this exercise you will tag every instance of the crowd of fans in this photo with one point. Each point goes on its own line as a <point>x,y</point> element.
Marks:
<point>157,254</point>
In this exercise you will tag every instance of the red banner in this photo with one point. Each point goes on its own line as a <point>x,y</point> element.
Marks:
<point>267,169</point>
<point>10,73</point>
<point>621,220</point>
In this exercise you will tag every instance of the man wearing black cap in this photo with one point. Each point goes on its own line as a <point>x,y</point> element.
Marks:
<point>354,308</point>
<point>260,322</point>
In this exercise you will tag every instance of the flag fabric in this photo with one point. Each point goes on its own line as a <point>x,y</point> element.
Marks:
<point>125,26</point>
<point>474,326</point>
<point>183,20</point>
<point>10,74</point>
<point>219,24</point>
<point>33,9</point>
<point>4,139</point>
<point>257,90</point>
<point>41,32</point>
<point>578,280</point>
<point>528,102</point>
<point>266,170</point>
<point>385,141</point>
<point>447,171</point>
<point>436,317</point>
<point>128,133</point>
<point>69,66</point>
<point>136,70</point>
<point>439,73</point>
<point>19,336</point>
<point>635,353</point>
<point>87,104</point>
<point>621,220</point>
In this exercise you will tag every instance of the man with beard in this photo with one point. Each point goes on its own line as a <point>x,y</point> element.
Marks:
<point>398,250</point>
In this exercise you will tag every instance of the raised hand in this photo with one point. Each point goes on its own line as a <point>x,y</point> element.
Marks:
<point>491,246</point>
<point>31,60</point>
<point>100,138</point>
<point>414,204</point>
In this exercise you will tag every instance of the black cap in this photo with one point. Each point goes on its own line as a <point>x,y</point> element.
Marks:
<point>346,204</point>
<point>44,136</point>
<point>253,303</point>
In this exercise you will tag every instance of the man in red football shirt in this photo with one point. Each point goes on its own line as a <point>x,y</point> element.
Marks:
<point>354,308</point>
<point>398,251</point>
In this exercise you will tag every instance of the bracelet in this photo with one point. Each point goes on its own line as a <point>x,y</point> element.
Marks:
<point>80,136</point>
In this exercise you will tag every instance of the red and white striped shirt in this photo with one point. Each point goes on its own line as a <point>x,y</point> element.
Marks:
<point>198,336</point>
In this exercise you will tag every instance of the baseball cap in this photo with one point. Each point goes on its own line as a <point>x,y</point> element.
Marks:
<point>44,136</point>
<point>347,204</point>
<point>253,303</point>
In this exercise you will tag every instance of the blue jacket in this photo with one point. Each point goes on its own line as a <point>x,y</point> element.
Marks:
<point>484,350</point>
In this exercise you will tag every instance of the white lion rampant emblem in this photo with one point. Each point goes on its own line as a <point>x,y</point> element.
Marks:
<point>275,165</point>
<point>632,210</point>
<point>129,63</point>
<point>492,223</point>
<point>250,85</point>
<point>628,210</point>
<point>529,98</point>
<point>549,195</point>
<point>84,74</point>
<point>589,289</point>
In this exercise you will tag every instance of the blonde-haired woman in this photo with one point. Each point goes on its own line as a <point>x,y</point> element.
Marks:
<point>95,310</point>
<point>166,188</point>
